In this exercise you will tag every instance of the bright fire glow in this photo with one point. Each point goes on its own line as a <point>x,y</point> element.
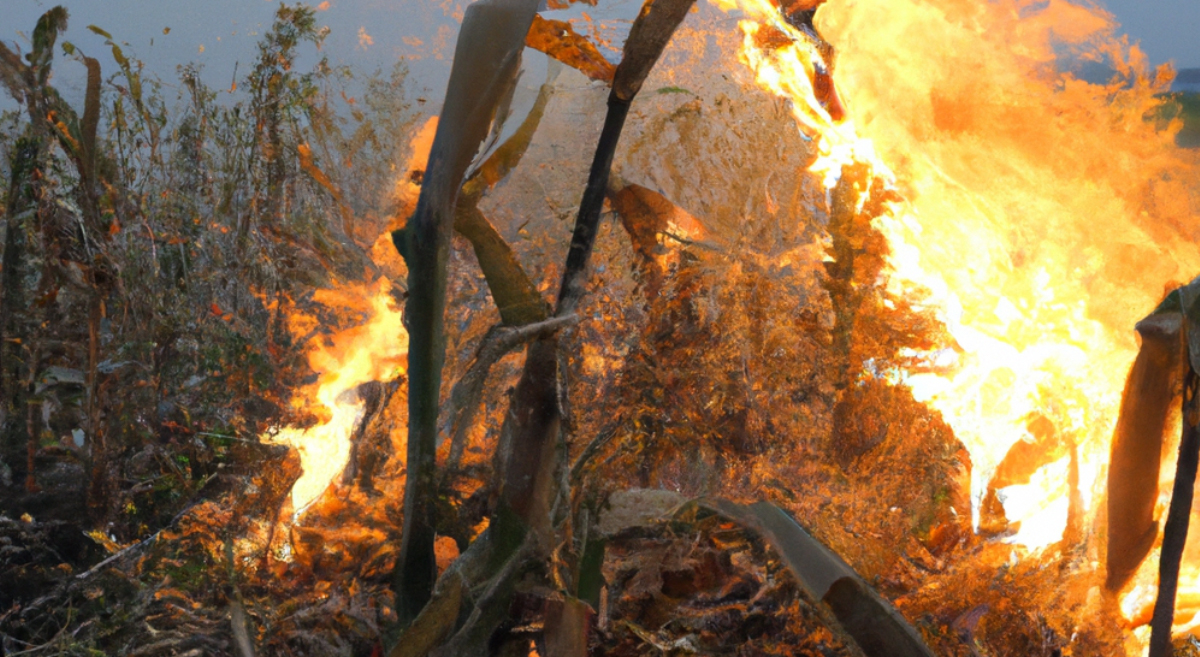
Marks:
<point>372,351</point>
<point>375,350</point>
<point>1045,215</point>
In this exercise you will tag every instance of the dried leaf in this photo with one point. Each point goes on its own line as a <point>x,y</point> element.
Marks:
<point>874,623</point>
<point>560,41</point>
<point>1135,455</point>
<point>306,163</point>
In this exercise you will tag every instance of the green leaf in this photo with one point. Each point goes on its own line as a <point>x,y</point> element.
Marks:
<point>68,48</point>
<point>44,35</point>
<point>1170,304</point>
<point>119,55</point>
<point>591,577</point>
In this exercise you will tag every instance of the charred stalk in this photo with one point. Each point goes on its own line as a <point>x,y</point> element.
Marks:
<point>535,415</point>
<point>464,399</point>
<point>1178,518</point>
<point>486,60</point>
<point>534,418</point>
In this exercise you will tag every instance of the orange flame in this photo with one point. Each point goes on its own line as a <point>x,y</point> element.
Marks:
<point>1044,214</point>
<point>373,351</point>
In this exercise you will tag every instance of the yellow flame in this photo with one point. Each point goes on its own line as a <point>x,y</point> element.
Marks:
<point>1027,215</point>
<point>1044,214</point>
<point>374,351</point>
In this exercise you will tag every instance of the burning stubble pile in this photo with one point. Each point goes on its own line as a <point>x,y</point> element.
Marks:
<point>828,359</point>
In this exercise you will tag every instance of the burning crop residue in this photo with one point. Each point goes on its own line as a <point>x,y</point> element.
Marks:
<point>1044,214</point>
<point>945,252</point>
<point>372,351</point>
<point>1040,214</point>
<point>1049,209</point>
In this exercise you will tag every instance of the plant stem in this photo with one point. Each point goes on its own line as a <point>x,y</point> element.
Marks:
<point>1178,517</point>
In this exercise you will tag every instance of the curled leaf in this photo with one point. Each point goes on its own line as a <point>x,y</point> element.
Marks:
<point>557,39</point>
<point>96,30</point>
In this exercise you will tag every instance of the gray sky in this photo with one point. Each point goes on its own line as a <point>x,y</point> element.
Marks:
<point>1169,30</point>
<point>375,33</point>
<point>218,34</point>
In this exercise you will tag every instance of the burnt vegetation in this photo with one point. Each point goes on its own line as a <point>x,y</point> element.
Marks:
<point>714,327</point>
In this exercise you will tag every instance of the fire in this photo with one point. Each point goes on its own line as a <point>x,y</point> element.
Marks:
<point>1044,214</point>
<point>1041,212</point>
<point>372,351</point>
<point>375,350</point>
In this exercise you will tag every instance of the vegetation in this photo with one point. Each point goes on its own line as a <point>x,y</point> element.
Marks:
<point>158,250</point>
<point>1184,107</point>
<point>150,265</point>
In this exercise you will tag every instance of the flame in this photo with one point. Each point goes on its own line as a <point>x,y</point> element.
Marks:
<point>1044,214</point>
<point>372,351</point>
<point>408,185</point>
<point>375,350</point>
<point>1040,212</point>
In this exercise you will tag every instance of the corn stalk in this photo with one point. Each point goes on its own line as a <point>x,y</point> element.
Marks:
<point>53,119</point>
<point>485,63</point>
<point>521,527</point>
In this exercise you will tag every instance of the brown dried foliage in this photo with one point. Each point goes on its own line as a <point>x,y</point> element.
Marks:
<point>707,586</point>
<point>560,41</point>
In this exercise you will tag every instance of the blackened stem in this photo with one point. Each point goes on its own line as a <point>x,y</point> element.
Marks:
<point>587,221</point>
<point>1176,530</point>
